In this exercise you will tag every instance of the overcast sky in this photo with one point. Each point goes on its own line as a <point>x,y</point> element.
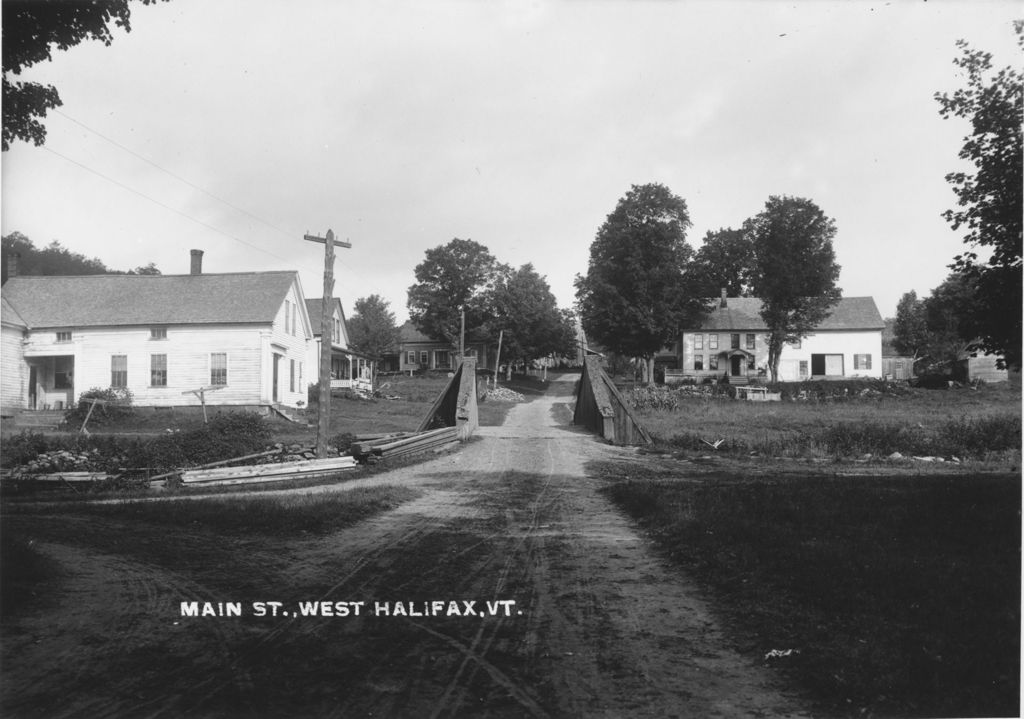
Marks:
<point>236,126</point>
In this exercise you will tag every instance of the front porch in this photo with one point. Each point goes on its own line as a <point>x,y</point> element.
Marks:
<point>50,383</point>
<point>352,370</point>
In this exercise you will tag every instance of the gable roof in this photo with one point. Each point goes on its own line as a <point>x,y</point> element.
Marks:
<point>9,316</point>
<point>743,313</point>
<point>409,333</point>
<point>121,300</point>
<point>314,308</point>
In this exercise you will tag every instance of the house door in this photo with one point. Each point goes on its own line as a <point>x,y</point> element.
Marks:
<point>32,380</point>
<point>277,361</point>
<point>737,365</point>
<point>826,365</point>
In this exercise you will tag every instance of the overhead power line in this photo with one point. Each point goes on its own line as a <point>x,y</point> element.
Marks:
<point>161,204</point>
<point>177,177</point>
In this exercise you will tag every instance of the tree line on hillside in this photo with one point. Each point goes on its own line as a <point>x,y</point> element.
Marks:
<point>55,259</point>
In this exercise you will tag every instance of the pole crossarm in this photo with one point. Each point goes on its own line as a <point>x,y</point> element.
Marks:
<point>323,241</point>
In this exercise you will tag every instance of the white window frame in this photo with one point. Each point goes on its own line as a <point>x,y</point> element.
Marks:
<point>153,369</point>
<point>227,363</point>
<point>118,371</point>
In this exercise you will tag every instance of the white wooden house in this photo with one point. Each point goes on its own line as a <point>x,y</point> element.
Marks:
<point>732,343</point>
<point>242,336</point>
<point>349,369</point>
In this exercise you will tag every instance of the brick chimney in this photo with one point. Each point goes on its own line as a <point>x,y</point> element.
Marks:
<point>197,262</point>
<point>12,264</point>
<point>723,302</point>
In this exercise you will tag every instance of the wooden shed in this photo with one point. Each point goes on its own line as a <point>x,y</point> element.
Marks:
<point>982,368</point>
<point>897,367</point>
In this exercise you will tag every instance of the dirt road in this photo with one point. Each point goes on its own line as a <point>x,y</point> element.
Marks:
<point>510,587</point>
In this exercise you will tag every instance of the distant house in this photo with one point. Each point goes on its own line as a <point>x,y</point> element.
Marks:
<point>417,352</point>
<point>349,369</point>
<point>732,343</point>
<point>242,337</point>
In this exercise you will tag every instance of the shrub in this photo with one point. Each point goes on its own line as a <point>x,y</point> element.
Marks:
<point>117,404</point>
<point>227,435</point>
<point>342,442</point>
<point>23,448</point>
<point>975,437</point>
<point>839,390</point>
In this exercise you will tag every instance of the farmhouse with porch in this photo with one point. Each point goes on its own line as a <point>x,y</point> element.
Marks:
<point>732,344</point>
<point>418,353</point>
<point>349,369</point>
<point>240,337</point>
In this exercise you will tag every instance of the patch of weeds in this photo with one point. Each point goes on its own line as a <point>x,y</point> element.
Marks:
<point>265,516</point>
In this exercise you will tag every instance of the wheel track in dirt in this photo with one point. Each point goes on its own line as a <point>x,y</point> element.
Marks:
<point>606,629</point>
<point>604,645</point>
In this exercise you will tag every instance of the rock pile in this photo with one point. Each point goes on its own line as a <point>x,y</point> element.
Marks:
<point>61,461</point>
<point>505,394</point>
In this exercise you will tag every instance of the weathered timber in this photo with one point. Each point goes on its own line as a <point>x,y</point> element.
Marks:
<point>602,409</point>
<point>399,447</point>
<point>268,472</point>
<point>218,463</point>
<point>456,405</point>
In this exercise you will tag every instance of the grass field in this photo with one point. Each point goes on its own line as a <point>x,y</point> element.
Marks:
<point>898,596</point>
<point>982,423</point>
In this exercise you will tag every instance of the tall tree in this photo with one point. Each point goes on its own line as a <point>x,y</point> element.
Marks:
<point>724,261</point>
<point>453,278</point>
<point>795,270</point>
<point>371,328</point>
<point>31,28</point>
<point>526,312</point>
<point>949,322</point>
<point>910,333</point>
<point>990,200</point>
<point>633,300</point>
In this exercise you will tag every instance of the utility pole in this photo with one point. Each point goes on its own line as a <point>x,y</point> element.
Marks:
<point>462,336</point>
<point>497,360</point>
<point>326,340</point>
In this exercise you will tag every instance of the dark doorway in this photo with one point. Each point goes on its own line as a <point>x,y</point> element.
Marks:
<point>32,380</point>
<point>277,361</point>
<point>737,365</point>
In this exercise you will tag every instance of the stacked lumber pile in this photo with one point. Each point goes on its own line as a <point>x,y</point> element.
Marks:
<point>276,472</point>
<point>374,448</point>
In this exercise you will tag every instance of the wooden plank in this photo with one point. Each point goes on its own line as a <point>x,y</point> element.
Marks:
<point>622,403</point>
<point>262,470</point>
